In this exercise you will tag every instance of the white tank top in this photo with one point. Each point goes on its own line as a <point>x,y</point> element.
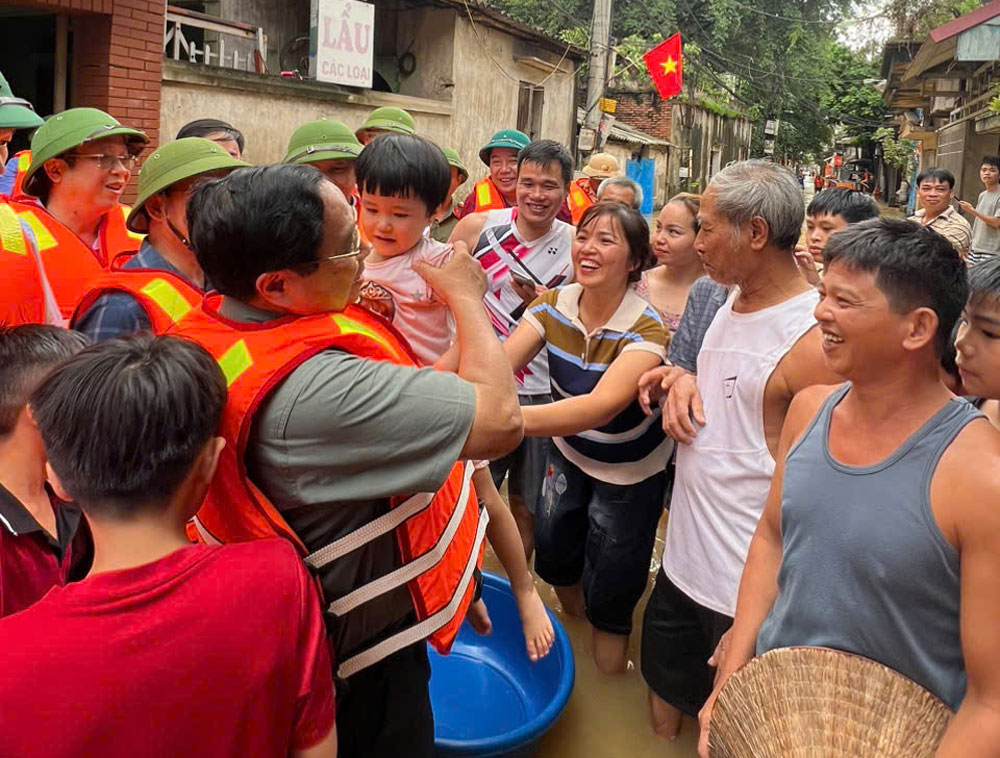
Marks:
<point>724,476</point>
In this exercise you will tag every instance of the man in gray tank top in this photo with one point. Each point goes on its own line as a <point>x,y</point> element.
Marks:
<point>881,533</point>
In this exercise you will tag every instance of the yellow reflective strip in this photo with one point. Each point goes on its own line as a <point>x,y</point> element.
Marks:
<point>483,194</point>
<point>11,236</point>
<point>349,326</point>
<point>235,361</point>
<point>43,236</point>
<point>169,298</point>
<point>126,209</point>
<point>23,161</point>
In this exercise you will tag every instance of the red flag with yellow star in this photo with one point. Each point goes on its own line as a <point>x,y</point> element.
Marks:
<point>666,65</point>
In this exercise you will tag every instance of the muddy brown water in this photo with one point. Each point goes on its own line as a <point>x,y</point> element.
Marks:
<point>607,716</point>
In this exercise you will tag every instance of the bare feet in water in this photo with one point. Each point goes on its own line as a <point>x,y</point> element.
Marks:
<point>538,632</point>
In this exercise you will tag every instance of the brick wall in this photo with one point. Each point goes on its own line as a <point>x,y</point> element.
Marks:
<point>645,111</point>
<point>117,59</point>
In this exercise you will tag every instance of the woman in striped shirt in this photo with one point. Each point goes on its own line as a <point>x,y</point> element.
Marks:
<point>604,484</point>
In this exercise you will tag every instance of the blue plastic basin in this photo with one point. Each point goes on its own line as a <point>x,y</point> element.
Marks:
<point>488,698</point>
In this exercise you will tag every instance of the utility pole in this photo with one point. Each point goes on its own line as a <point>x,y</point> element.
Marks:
<point>598,78</point>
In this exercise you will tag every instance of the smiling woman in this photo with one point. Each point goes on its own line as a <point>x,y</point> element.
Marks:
<point>605,483</point>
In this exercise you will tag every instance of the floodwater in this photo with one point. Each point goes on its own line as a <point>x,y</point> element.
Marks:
<point>607,716</point>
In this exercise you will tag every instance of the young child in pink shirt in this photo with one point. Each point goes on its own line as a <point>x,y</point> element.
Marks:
<point>403,181</point>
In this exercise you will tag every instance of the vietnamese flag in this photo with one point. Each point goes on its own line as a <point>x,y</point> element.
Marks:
<point>666,65</point>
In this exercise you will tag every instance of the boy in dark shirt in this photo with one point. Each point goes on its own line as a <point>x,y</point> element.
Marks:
<point>166,648</point>
<point>44,542</point>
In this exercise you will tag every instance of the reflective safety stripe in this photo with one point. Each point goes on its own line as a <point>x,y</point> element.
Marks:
<point>134,235</point>
<point>429,625</point>
<point>11,234</point>
<point>483,194</point>
<point>207,537</point>
<point>43,236</point>
<point>370,531</point>
<point>235,361</point>
<point>169,298</point>
<point>23,161</point>
<point>414,568</point>
<point>350,326</point>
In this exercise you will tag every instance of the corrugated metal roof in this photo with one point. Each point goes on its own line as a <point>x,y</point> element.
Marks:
<point>624,133</point>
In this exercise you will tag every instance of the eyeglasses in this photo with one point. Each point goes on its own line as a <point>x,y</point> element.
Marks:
<point>356,249</point>
<point>108,161</point>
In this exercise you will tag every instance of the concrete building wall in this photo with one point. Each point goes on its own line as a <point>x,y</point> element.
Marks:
<point>267,109</point>
<point>485,99</point>
<point>472,99</point>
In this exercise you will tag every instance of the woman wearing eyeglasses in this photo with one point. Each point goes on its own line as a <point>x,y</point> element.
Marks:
<point>157,286</point>
<point>82,159</point>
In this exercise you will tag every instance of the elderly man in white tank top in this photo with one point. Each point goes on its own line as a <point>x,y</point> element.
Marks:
<point>762,348</point>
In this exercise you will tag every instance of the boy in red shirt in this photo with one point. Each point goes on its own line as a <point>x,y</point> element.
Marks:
<point>44,543</point>
<point>166,649</point>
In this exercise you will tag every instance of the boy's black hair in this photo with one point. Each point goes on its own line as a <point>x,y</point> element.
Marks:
<point>203,127</point>
<point>27,352</point>
<point>938,175</point>
<point>851,205</point>
<point>984,283</point>
<point>634,228</point>
<point>123,421</point>
<point>404,165</point>
<point>992,160</point>
<point>545,152</point>
<point>914,267</point>
<point>255,220</point>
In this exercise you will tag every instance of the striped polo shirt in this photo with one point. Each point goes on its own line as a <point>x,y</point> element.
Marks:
<point>632,446</point>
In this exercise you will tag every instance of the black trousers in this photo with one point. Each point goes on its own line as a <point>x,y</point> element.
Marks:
<point>384,711</point>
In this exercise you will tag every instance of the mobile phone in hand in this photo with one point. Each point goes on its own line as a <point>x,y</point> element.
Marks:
<point>524,281</point>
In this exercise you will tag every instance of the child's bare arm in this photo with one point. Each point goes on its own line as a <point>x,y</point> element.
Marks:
<point>450,359</point>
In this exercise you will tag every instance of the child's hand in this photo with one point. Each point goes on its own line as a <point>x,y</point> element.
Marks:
<point>462,276</point>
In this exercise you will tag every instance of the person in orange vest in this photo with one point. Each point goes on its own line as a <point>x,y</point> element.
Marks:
<point>25,295</point>
<point>583,191</point>
<point>331,427</point>
<point>81,161</point>
<point>160,284</point>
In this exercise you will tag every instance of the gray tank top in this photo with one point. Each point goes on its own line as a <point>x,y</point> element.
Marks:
<point>865,568</point>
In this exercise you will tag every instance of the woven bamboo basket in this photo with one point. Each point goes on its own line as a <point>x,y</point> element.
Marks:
<point>819,703</point>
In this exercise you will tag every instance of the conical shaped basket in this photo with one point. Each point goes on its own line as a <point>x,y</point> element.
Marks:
<point>818,703</point>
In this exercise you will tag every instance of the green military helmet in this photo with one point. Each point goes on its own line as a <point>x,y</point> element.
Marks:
<point>69,129</point>
<point>174,162</point>
<point>16,112</point>
<point>389,119</point>
<point>509,138</point>
<point>322,140</point>
<point>454,160</point>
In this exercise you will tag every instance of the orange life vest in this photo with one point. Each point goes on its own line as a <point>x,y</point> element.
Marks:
<point>440,535</point>
<point>579,199</point>
<point>488,197</point>
<point>23,161</point>
<point>71,266</point>
<point>356,204</point>
<point>164,296</point>
<point>22,297</point>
